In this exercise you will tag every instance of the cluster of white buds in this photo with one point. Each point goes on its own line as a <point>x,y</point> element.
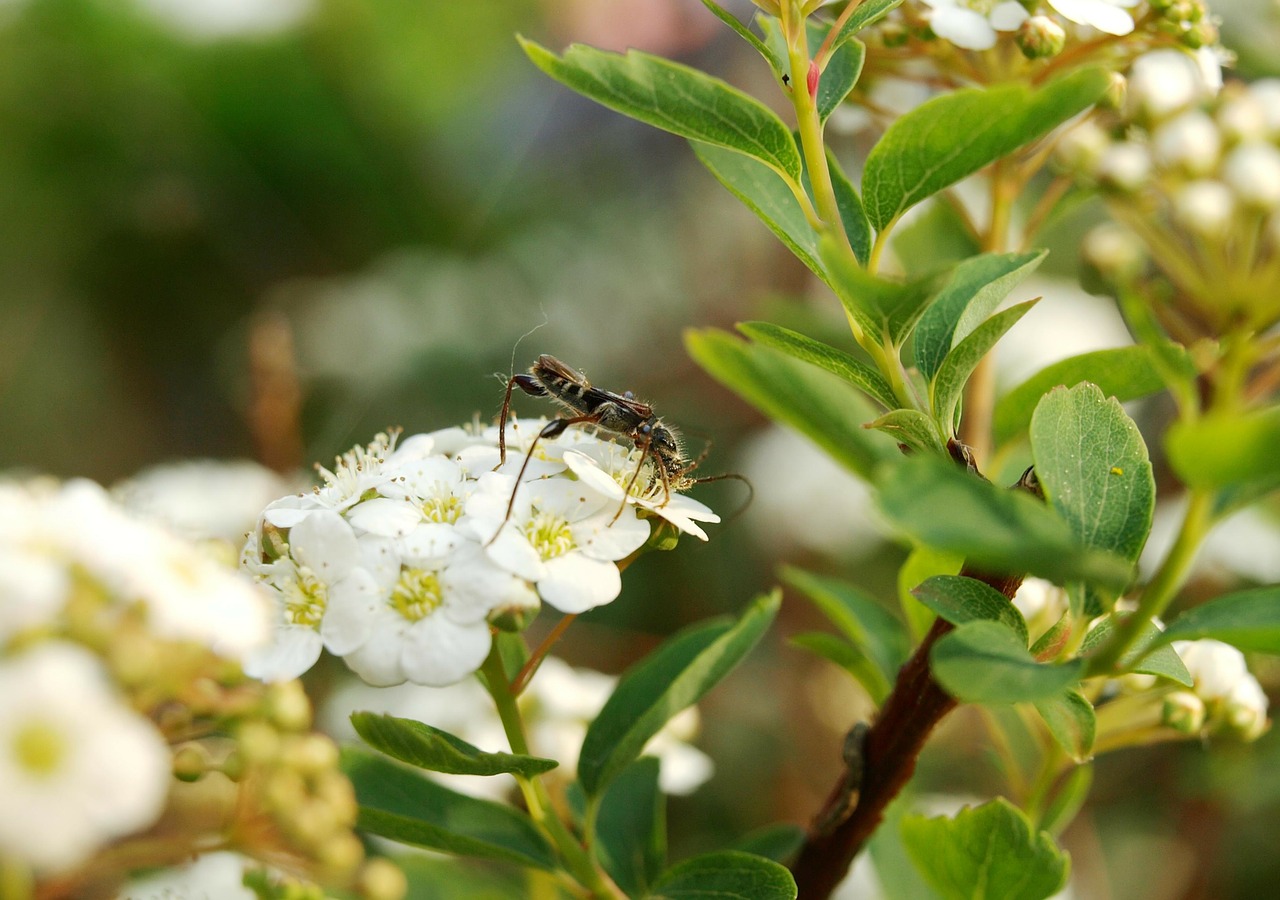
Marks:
<point>411,552</point>
<point>134,740</point>
<point>1194,176</point>
<point>1225,697</point>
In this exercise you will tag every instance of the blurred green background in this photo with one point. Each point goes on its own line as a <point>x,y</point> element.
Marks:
<point>211,207</point>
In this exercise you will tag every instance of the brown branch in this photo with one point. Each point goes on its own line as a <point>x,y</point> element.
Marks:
<point>892,746</point>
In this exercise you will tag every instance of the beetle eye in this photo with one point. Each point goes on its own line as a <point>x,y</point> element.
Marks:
<point>645,429</point>
<point>627,395</point>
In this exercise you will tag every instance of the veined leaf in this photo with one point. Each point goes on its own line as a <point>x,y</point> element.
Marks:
<point>840,75</point>
<point>907,426</point>
<point>948,384</point>
<point>1071,721</point>
<point>959,599</point>
<point>744,31</point>
<point>870,12</point>
<point>674,98</point>
<point>632,827</point>
<point>430,748</point>
<point>848,657</point>
<point>1147,655</point>
<point>1248,619</point>
<point>885,310</point>
<point>975,289</point>
<point>671,678</point>
<point>988,662</point>
<point>1219,451</point>
<point>834,360</point>
<point>958,133</point>
<point>856,226</point>
<point>727,875</point>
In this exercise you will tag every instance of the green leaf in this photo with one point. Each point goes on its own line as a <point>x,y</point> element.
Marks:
<point>430,748</point>
<point>936,503</point>
<point>745,33</point>
<point>989,852</point>
<point>923,563</point>
<point>987,662</point>
<point>1223,450</point>
<point>869,626</point>
<point>674,98</point>
<point>1249,620</point>
<point>632,827</point>
<point>958,133</point>
<point>779,842</point>
<point>848,657</point>
<point>1140,657</point>
<point>824,356</point>
<point>818,405</point>
<point>959,599</point>
<point>1125,373</point>
<point>948,385</point>
<point>1068,800</point>
<point>868,13</point>
<point>727,875</point>
<point>1092,463</point>
<point>907,426</point>
<point>670,679</point>
<point>885,310</point>
<point>765,193</point>
<point>400,804</point>
<point>975,289</point>
<point>840,75</point>
<point>1071,721</point>
<point>852,216</point>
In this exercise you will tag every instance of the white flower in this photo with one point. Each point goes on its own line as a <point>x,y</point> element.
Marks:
<point>1204,207</point>
<point>1246,708</point>
<point>211,19</point>
<point>973,26</point>
<point>1163,82</point>
<point>1215,667</point>
<point>1189,141</point>
<point>1040,599</point>
<point>324,594</point>
<point>1109,16</point>
<point>210,875</point>
<point>78,768</point>
<point>360,469</point>
<point>561,535</point>
<point>1125,165</point>
<point>612,470</point>
<point>1253,171</point>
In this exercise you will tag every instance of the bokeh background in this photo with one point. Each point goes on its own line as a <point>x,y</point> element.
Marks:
<point>268,229</point>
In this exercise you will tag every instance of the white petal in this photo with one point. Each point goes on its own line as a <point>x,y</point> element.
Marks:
<point>438,651</point>
<point>964,28</point>
<point>380,557</point>
<point>473,585</point>
<point>601,538</point>
<point>512,552</point>
<point>384,516</point>
<point>294,650</point>
<point>429,542</point>
<point>325,543</point>
<point>423,477</point>
<point>348,618</point>
<point>592,475</point>
<point>378,661</point>
<point>1008,16</point>
<point>1099,14</point>
<point>575,584</point>
<point>289,511</point>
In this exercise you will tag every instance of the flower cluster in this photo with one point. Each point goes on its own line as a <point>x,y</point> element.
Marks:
<point>408,554</point>
<point>1194,177</point>
<point>131,738</point>
<point>1224,698</point>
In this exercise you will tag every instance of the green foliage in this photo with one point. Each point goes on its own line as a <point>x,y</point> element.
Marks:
<point>776,842</point>
<point>823,408</point>
<point>956,134</point>
<point>402,805</point>
<point>727,875</point>
<point>1221,450</point>
<point>1072,722</point>
<point>671,678</point>
<point>959,599</point>
<point>438,751</point>
<point>989,852</point>
<point>1067,800</point>
<point>744,32</point>
<point>866,14</point>
<point>834,360</point>
<point>1147,656</point>
<point>674,98</point>
<point>987,662</point>
<point>852,215</point>
<point>1126,373</point>
<point>840,75</point>
<point>631,827</point>
<point>914,429</point>
<point>885,310</point>
<point>974,290</point>
<point>958,365</point>
<point>937,504</point>
<point>1248,619</point>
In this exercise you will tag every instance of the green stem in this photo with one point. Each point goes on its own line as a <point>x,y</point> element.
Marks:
<point>1162,588</point>
<point>576,859</point>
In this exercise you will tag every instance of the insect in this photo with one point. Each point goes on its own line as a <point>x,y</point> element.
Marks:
<point>618,415</point>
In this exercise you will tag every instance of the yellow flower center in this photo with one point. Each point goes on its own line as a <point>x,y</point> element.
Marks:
<point>446,510</point>
<point>549,534</point>
<point>39,748</point>
<point>306,599</point>
<point>417,593</point>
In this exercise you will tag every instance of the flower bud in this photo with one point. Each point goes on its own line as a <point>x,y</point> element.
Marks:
<point>1242,118</point>
<point>1189,142</point>
<point>1245,709</point>
<point>1253,172</point>
<point>1214,666</point>
<point>1125,166</point>
<point>514,618</point>
<point>1266,92</point>
<point>1184,712</point>
<point>893,34</point>
<point>1163,82</point>
<point>1039,37</point>
<point>288,705</point>
<point>1200,35</point>
<point>311,754</point>
<point>1115,252</point>
<point>1080,148</point>
<point>190,762</point>
<point>1116,94</point>
<point>1204,208</point>
<point>381,879</point>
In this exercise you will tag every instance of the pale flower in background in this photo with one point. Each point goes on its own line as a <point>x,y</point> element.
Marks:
<point>78,768</point>
<point>213,19</point>
<point>216,876</point>
<point>974,27</point>
<point>1109,16</point>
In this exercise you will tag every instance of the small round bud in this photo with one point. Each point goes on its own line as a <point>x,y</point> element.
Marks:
<point>893,34</point>
<point>1253,172</point>
<point>1214,666</point>
<point>1039,37</point>
<point>1245,709</point>
<point>1115,252</point>
<point>1184,712</point>
<point>381,879</point>
<point>1137,682</point>
<point>258,743</point>
<point>1188,142</point>
<point>1179,11</point>
<point>1200,35</point>
<point>1163,82</point>
<point>1117,93</point>
<point>1080,148</point>
<point>311,754</point>
<point>1266,92</point>
<point>513,619</point>
<point>1125,166</point>
<point>341,855</point>
<point>288,705</point>
<point>1204,208</point>
<point>1242,118</point>
<point>190,762</point>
